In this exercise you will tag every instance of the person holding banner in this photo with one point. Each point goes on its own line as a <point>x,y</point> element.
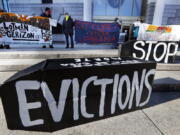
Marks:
<point>136,28</point>
<point>68,25</point>
<point>119,23</point>
<point>47,14</point>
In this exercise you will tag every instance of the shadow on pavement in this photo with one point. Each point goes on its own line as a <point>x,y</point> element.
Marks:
<point>162,97</point>
<point>167,84</point>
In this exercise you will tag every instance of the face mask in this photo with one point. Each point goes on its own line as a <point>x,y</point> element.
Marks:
<point>67,17</point>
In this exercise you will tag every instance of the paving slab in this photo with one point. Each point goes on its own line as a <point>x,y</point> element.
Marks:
<point>5,75</point>
<point>165,112</point>
<point>134,123</point>
<point>168,67</point>
<point>167,74</point>
<point>17,64</point>
<point>167,80</point>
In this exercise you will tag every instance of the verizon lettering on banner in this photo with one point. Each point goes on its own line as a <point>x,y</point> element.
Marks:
<point>15,28</point>
<point>57,94</point>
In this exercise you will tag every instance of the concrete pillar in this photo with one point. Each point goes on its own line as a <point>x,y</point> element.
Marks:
<point>1,7</point>
<point>159,10</point>
<point>87,13</point>
<point>5,4</point>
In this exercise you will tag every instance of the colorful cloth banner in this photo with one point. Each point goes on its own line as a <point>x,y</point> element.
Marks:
<point>15,28</point>
<point>159,33</point>
<point>89,32</point>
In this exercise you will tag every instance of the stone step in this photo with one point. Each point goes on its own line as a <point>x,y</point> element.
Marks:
<point>167,81</point>
<point>56,53</point>
<point>178,55</point>
<point>18,59</point>
<point>168,67</point>
<point>19,64</point>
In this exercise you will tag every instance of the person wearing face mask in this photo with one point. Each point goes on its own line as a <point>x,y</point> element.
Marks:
<point>47,14</point>
<point>67,27</point>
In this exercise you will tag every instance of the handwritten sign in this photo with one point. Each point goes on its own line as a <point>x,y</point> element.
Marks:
<point>16,28</point>
<point>57,94</point>
<point>158,51</point>
<point>89,32</point>
<point>158,33</point>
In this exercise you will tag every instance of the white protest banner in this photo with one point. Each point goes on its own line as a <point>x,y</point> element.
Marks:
<point>159,33</point>
<point>16,28</point>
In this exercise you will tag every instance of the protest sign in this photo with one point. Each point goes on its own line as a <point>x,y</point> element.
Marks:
<point>92,33</point>
<point>56,94</point>
<point>158,51</point>
<point>15,28</point>
<point>150,32</point>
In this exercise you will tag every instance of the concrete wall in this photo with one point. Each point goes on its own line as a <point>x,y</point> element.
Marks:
<point>68,1</point>
<point>24,1</point>
<point>39,1</point>
<point>1,4</point>
<point>161,11</point>
<point>171,15</point>
<point>75,9</point>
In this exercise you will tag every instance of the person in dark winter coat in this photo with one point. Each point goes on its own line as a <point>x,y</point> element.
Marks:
<point>47,14</point>
<point>68,25</point>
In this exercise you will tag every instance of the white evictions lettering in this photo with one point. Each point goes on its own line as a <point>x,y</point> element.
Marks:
<point>120,84</point>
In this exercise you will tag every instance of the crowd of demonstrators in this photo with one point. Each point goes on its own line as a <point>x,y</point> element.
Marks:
<point>67,27</point>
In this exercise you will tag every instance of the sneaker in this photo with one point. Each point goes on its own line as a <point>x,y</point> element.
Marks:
<point>7,46</point>
<point>43,46</point>
<point>51,46</point>
<point>1,46</point>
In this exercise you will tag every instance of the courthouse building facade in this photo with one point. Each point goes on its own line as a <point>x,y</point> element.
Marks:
<point>159,12</point>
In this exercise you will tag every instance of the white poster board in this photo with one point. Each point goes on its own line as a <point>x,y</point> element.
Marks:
<point>159,33</point>
<point>16,28</point>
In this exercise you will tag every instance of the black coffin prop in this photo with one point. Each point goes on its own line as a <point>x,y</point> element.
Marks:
<point>57,94</point>
<point>158,51</point>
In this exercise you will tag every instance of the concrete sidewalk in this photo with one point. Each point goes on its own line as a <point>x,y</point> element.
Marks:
<point>162,117</point>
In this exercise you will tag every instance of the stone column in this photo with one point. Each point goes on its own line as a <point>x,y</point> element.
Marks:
<point>87,13</point>
<point>1,7</point>
<point>158,12</point>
